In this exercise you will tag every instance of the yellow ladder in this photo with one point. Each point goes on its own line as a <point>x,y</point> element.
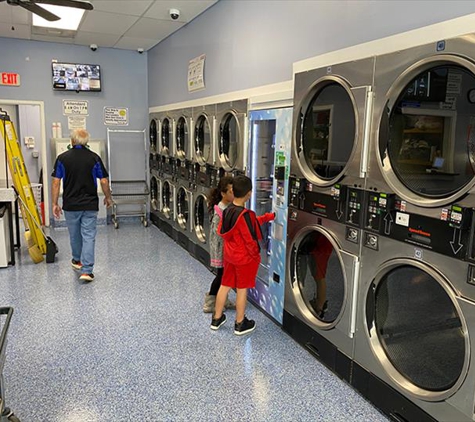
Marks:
<point>21,181</point>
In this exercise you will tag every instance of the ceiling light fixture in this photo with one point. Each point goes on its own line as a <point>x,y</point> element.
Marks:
<point>70,17</point>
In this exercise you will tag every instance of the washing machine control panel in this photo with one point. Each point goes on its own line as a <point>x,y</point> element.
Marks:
<point>354,206</point>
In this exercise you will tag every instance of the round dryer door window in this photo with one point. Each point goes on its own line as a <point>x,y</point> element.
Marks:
<point>319,275</point>
<point>202,140</point>
<point>154,194</point>
<point>167,200</point>
<point>326,132</point>
<point>429,133</point>
<point>417,324</point>
<point>201,221</point>
<point>229,140</point>
<point>166,135</point>
<point>182,138</point>
<point>182,208</point>
<point>153,136</point>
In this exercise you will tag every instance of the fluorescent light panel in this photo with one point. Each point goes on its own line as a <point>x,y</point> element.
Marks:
<point>70,17</point>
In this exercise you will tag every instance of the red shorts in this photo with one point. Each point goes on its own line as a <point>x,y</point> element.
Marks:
<point>240,276</point>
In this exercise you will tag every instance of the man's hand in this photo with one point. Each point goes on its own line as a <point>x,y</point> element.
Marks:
<point>57,211</point>
<point>108,201</point>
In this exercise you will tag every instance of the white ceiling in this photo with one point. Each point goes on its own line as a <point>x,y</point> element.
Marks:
<point>124,24</point>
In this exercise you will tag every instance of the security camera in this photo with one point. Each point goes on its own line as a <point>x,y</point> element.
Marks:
<point>93,47</point>
<point>174,14</point>
<point>140,50</point>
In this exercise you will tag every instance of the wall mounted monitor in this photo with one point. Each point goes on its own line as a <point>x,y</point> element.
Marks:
<point>76,77</point>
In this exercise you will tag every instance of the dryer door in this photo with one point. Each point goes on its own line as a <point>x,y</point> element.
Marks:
<point>321,276</point>
<point>182,206</point>
<point>167,200</point>
<point>417,330</point>
<point>201,218</point>
<point>166,137</point>
<point>203,142</point>
<point>182,138</point>
<point>326,130</point>
<point>154,194</point>
<point>427,131</point>
<point>153,136</point>
<point>231,141</point>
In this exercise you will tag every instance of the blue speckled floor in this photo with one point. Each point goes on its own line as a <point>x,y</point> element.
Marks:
<point>134,345</point>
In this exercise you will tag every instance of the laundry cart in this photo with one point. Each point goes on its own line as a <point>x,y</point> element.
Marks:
<point>127,162</point>
<point>127,194</point>
<point>5,318</point>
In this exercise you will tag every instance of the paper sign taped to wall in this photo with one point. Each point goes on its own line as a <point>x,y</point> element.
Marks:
<point>196,68</point>
<point>76,122</point>
<point>114,116</point>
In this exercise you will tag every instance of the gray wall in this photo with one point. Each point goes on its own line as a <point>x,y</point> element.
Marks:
<point>124,81</point>
<point>254,43</point>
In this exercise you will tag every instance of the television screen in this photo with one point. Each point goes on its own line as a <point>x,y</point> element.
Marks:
<point>76,77</point>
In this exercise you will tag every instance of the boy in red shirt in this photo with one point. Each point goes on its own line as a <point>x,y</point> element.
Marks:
<point>241,231</point>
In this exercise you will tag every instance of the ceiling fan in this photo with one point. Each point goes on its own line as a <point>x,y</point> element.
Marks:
<point>34,7</point>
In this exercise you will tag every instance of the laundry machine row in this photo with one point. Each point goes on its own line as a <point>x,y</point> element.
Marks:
<point>404,336</point>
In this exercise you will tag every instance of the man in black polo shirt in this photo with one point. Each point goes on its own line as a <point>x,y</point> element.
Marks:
<point>79,168</point>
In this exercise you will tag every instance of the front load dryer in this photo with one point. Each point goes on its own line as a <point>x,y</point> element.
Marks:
<point>203,139</point>
<point>167,210</point>
<point>231,136</point>
<point>183,198</point>
<point>200,224</point>
<point>322,277</point>
<point>155,197</point>
<point>414,349</point>
<point>332,107</point>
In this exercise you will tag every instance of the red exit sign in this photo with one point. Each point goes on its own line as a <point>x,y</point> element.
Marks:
<point>12,79</point>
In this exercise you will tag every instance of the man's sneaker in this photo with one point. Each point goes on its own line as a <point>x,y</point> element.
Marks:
<point>217,322</point>
<point>76,264</point>
<point>87,277</point>
<point>244,327</point>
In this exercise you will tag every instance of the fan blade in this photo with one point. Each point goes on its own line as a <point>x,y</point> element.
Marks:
<point>68,3</point>
<point>38,10</point>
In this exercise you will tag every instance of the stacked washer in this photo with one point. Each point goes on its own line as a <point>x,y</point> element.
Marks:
<point>204,177</point>
<point>325,213</point>
<point>231,136</point>
<point>167,174</point>
<point>183,157</point>
<point>154,165</point>
<point>415,342</point>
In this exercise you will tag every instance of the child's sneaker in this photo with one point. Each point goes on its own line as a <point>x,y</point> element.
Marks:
<point>244,327</point>
<point>210,301</point>
<point>76,264</point>
<point>217,322</point>
<point>87,277</point>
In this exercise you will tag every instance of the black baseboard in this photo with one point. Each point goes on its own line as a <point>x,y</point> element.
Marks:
<point>386,398</point>
<point>155,219</point>
<point>168,229</point>
<point>318,346</point>
<point>183,241</point>
<point>201,255</point>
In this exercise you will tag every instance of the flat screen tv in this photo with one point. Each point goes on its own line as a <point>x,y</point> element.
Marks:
<point>76,77</point>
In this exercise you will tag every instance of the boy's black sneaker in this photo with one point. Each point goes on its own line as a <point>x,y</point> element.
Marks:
<point>217,322</point>
<point>244,327</point>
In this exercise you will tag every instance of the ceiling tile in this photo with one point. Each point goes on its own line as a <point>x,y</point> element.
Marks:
<point>102,40</point>
<point>107,23</point>
<point>188,9</point>
<point>16,15</point>
<point>153,29</point>
<point>129,43</point>
<point>21,31</point>
<point>123,7</point>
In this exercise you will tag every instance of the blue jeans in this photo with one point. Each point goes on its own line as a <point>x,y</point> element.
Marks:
<point>82,226</point>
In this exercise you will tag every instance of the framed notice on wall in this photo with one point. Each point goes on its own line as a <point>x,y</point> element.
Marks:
<point>196,67</point>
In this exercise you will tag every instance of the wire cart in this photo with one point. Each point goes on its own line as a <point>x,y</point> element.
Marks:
<point>6,316</point>
<point>128,183</point>
<point>129,192</point>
